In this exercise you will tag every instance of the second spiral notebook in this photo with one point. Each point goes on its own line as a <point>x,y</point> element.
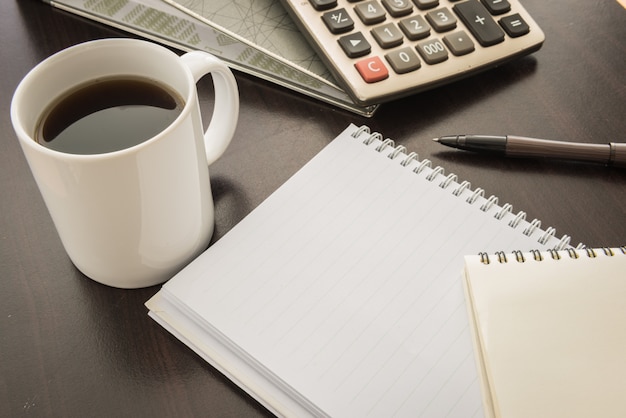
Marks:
<point>340,295</point>
<point>550,332</point>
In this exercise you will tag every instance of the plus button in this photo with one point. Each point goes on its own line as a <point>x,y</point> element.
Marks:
<point>478,20</point>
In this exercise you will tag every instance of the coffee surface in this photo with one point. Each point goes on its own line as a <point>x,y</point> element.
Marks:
<point>108,115</point>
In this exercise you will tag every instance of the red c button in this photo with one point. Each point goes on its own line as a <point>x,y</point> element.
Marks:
<point>372,69</point>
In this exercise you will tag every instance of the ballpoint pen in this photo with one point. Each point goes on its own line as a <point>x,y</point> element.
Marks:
<point>516,146</point>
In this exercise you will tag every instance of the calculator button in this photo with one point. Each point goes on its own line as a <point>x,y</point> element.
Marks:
<point>432,51</point>
<point>355,45</point>
<point>372,69</point>
<point>387,35</point>
<point>323,4</point>
<point>415,27</point>
<point>403,60</point>
<point>370,12</point>
<point>514,25</point>
<point>441,19</point>
<point>338,21</point>
<point>397,8</point>
<point>459,43</point>
<point>426,4</point>
<point>496,7</point>
<point>479,22</point>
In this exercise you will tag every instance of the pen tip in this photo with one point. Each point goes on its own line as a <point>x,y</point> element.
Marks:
<point>436,139</point>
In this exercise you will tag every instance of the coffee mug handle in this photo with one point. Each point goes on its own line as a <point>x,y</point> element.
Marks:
<point>226,110</point>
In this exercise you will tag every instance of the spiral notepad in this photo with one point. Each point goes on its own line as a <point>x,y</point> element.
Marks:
<point>550,331</point>
<point>340,295</point>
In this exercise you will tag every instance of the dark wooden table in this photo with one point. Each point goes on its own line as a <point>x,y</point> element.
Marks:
<point>72,347</point>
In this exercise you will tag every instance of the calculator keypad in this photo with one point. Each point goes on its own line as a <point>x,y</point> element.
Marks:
<point>383,49</point>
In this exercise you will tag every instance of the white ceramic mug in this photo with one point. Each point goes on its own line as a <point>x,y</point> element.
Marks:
<point>134,217</point>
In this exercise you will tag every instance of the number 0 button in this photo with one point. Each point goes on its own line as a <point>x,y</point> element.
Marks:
<point>403,60</point>
<point>432,51</point>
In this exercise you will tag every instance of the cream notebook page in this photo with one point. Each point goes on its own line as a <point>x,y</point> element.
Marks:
<point>552,333</point>
<point>341,291</point>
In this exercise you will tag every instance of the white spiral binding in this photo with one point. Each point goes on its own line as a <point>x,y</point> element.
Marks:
<point>386,143</point>
<point>573,253</point>
<point>478,192</point>
<point>493,200</point>
<point>424,164</point>
<point>409,159</point>
<point>521,216</point>
<point>462,187</point>
<point>400,149</point>
<point>501,211</point>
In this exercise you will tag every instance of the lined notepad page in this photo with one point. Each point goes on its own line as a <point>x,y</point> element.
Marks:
<point>344,286</point>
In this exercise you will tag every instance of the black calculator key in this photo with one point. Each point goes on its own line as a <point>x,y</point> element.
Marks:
<point>370,12</point>
<point>478,20</point>
<point>323,4</point>
<point>432,51</point>
<point>397,8</point>
<point>355,45</point>
<point>514,25</point>
<point>497,7</point>
<point>415,27</point>
<point>459,43</point>
<point>441,19</point>
<point>387,35</point>
<point>426,4</point>
<point>338,21</point>
<point>403,60</point>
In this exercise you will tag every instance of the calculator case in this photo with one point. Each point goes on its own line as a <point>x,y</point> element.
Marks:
<point>326,44</point>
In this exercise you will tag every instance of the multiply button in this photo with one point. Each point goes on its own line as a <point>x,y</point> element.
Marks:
<point>479,22</point>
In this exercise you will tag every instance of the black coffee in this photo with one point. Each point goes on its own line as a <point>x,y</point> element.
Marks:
<point>108,115</point>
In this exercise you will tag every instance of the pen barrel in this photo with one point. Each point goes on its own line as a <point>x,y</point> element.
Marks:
<point>530,147</point>
<point>618,154</point>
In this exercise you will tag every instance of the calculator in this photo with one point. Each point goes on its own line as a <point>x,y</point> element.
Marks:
<point>380,50</point>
